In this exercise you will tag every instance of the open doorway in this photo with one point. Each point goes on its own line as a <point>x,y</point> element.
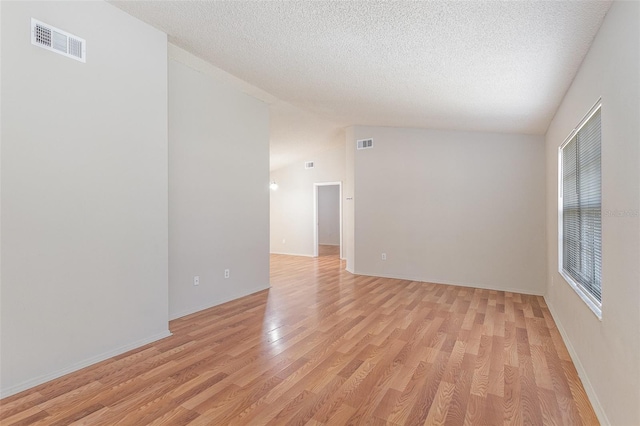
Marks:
<point>327,229</point>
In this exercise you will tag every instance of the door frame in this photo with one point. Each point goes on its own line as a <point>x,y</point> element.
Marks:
<point>316,186</point>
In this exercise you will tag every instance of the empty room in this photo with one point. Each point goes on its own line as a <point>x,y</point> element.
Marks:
<point>320,212</point>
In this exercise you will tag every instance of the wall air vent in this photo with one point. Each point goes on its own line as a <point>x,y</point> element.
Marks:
<point>365,143</point>
<point>58,41</point>
<point>308,165</point>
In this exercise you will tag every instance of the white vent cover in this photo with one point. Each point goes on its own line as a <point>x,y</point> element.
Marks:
<point>365,143</point>
<point>308,165</point>
<point>55,40</point>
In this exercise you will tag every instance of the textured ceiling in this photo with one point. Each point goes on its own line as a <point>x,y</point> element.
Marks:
<point>487,66</point>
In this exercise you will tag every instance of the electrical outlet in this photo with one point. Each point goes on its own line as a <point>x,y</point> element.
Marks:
<point>284,241</point>
<point>384,256</point>
<point>196,280</point>
<point>226,273</point>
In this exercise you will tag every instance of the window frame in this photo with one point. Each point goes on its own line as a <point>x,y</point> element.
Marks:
<point>585,295</point>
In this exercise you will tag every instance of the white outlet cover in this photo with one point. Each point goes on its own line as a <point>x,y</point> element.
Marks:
<point>196,280</point>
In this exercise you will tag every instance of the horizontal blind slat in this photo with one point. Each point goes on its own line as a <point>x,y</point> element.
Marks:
<point>581,209</point>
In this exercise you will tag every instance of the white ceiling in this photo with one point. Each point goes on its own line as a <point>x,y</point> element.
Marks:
<point>481,65</point>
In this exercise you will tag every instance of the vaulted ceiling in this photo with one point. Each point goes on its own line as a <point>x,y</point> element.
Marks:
<point>499,66</point>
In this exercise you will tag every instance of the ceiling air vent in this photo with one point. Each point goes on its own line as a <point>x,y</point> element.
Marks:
<point>55,40</point>
<point>308,165</point>
<point>365,143</point>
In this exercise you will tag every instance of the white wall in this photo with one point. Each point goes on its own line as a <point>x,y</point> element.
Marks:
<point>218,188</point>
<point>84,191</point>
<point>451,207</point>
<point>329,215</point>
<point>292,203</point>
<point>607,352</point>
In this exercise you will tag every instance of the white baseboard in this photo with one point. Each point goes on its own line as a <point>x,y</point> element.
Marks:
<point>582,373</point>
<point>445,282</point>
<point>79,365</point>
<point>292,254</point>
<point>211,304</point>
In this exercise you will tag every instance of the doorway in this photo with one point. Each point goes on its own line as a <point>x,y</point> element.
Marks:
<point>327,223</point>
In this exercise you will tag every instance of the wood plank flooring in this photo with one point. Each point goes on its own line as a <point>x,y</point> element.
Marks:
<point>327,250</point>
<point>325,347</point>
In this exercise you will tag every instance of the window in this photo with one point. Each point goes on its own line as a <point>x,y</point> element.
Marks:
<point>580,236</point>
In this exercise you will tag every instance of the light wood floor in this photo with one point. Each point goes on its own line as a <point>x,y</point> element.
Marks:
<point>326,250</point>
<point>325,347</point>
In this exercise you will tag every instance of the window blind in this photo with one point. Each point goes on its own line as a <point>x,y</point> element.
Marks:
<point>581,208</point>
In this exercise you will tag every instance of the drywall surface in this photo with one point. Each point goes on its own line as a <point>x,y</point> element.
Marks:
<point>84,191</point>
<point>451,207</point>
<point>218,188</point>
<point>606,352</point>
<point>292,203</point>
<point>329,215</point>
